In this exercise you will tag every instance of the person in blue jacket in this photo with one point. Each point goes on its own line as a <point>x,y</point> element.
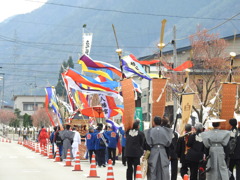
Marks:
<point>112,138</point>
<point>90,142</point>
<point>100,146</point>
<point>123,144</point>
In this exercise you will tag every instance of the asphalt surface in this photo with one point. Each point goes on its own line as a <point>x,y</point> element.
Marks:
<point>20,163</point>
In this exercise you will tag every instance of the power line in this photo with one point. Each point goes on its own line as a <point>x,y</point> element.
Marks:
<point>229,19</point>
<point>128,12</point>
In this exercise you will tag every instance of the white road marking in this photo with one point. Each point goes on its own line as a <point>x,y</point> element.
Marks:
<point>30,170</point>
<point>13,157</point>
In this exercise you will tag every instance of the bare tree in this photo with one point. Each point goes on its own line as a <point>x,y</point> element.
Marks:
<point>6,116</point>
<point>40,118</point>
<point>211,66</point>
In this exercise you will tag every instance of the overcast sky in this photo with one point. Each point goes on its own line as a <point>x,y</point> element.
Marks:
<point>10,8</point>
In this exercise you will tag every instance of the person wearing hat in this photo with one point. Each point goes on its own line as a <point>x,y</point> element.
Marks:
<point>216,142</point>
<point>235,154</point>
<point>195,153</point>
<point>90,142</point>
<point>112,138</point>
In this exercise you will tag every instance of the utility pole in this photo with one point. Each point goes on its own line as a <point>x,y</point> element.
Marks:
<point>35,86</point>
<point>3,79</point>
<point>174,66</point>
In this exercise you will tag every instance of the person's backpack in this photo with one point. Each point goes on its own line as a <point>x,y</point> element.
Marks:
<point>58,140</point>
<point>233,143</point>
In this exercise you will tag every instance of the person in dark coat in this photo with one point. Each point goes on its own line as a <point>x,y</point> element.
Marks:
<point>235,156</point>
<point>196,151</point>
<point>123,143</point>
<point>90,142</point>
<point>182,149</point>
<point>100,146</point>
<point>134,149</point>
<point>58,140</point>
<point>112,138</point>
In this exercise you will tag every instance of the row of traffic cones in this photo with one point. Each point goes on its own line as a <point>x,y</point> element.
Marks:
<point>7,140</point>
<point>77,166</point>
<point>110,174</point>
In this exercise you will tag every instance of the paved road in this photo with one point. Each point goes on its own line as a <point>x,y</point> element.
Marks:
<point>18,162</point>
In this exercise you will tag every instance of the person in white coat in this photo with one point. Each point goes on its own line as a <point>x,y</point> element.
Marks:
<point>76,142</point>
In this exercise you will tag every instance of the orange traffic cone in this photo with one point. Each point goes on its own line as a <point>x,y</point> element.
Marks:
<point>6,140</point>
<point>45,150</point>
<point>57,158</point>
<point>68,158</point>
<point>110,175</point>
<point>50,154</point>
<point>138,173</point>
<point>42,150</point>
<point>33,146</point>
<point>185,177</point>
<point>37,148</point>
<point>77,166</point>
<point>93,171</point>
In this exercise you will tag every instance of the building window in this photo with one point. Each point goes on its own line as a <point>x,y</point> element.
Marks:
<point>28,107</point>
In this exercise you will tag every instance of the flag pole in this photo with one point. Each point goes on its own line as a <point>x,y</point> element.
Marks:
<point>161,44</point>
<point>118,51</point>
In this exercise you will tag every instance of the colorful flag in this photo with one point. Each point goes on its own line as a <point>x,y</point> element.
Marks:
<point>52,99</point>
<point>115,126</point>
<point>104,86</point>
<point>72,84</point>
<point>129,65</point>
<point>143,62</point>
<point>46,108</point>
<point>99,65</point>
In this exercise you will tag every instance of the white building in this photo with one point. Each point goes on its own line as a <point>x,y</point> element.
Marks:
<point>26,103</point>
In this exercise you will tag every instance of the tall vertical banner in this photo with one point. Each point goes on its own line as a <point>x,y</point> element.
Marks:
<point>229,92</point>
<point>87,43</point>
<point>158,88</point>
<point>104,104</point>
<point>138,115</point>
<point>187,102</point>
<point>129,103</point>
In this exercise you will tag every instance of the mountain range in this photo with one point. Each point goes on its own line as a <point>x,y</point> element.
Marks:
<point>34,45</point>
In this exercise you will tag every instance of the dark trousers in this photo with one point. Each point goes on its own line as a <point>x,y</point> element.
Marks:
<point>100,156</point>
<point>60,148</point>
<point>132,163</point>
<point>90,152</point>
<point>193,170</point>
<point>232,163</point>
<point>123,156</point>
<point>184,168</point>
<point>174,169</point>
<point>112,154</point>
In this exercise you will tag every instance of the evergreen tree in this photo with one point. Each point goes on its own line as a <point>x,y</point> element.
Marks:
<point>60,89</point>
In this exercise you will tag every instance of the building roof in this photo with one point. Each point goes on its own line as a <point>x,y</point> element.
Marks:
<point>181,49</point>
<point>16,96</point>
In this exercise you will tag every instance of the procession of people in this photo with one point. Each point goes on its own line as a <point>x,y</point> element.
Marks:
<point>204,153</point>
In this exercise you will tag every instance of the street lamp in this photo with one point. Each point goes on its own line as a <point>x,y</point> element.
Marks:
<point>233,55</point>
